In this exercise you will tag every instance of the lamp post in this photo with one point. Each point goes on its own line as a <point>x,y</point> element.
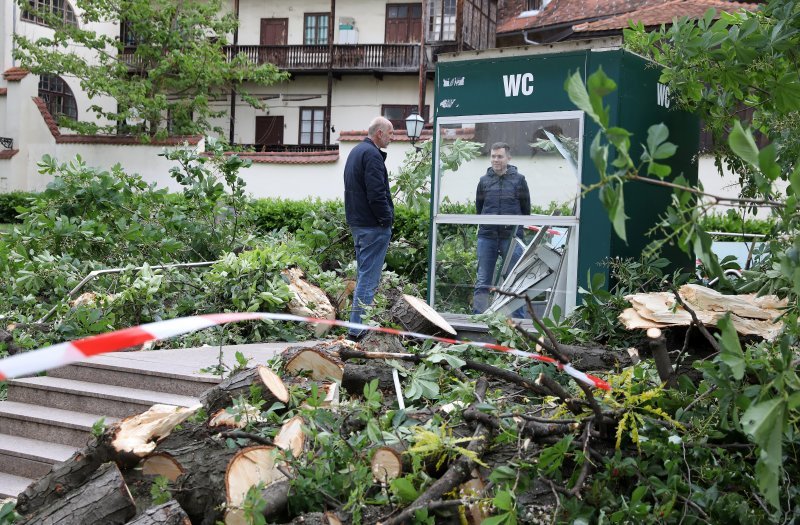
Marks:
<point>414,124</point>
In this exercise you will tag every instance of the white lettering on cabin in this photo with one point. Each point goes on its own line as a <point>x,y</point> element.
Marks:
<point>513,84</point>
<point>662,95</point>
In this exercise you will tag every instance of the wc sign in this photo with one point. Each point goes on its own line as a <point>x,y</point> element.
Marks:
<point>662,95</point>
<point>519,84</point>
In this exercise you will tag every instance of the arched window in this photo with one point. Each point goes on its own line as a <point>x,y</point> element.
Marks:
<point>61,9</point>
<point>58,96</point>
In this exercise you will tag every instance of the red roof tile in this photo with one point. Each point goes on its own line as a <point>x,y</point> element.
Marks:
<point>586,13</point>
<point>6,154</point>
<point>48,118</point>
<point>3,92</point>
<point>289,157</point>
<point>564,12</point>
<point>663,14</point>
<point>15,74</point>
<point>399,135</point>
<point>119,140</point>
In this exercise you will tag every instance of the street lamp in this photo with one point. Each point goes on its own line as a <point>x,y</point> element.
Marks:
<point>414,124</point>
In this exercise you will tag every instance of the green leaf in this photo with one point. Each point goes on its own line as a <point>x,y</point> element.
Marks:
<point>599,85</point>
<point>503,500</point>
<point>743,145</point>
<point>613,200</point>
<point>576,90</point>
<point>731,354</point>
<point>765,422</point>
<point>404,489</point>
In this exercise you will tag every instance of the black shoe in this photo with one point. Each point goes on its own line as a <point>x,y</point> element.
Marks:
<point>355,338</point>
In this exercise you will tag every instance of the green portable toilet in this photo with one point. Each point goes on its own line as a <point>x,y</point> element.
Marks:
<point>516,96</point>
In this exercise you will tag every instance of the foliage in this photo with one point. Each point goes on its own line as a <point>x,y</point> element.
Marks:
<point>9,202</point>
<point>726,63</point>
<point>159,490</point>
<point>755,389</point>
<point>176,48</point>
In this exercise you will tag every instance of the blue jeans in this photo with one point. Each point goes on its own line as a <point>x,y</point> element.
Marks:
<point>371,245</point>
<point>489,250</point>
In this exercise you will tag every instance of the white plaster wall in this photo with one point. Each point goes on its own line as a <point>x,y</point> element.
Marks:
<point>356,100</point>
<point>369,17</point>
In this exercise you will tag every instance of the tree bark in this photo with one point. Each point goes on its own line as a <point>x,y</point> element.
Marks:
<point>103,500</point>
<point>223,395</point>
<point>170,513</point>
<point>354,377</point>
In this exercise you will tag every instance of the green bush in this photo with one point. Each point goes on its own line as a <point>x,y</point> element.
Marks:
<point>9,202</point>
<point>732,222</point>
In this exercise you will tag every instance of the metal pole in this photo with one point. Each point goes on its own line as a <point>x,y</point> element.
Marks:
<point>232,126</point>
<point>423,77</point>
<point>328,103</point>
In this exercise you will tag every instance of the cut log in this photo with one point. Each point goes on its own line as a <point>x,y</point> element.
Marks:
<point>379,342</point>
<point>170,513</point>
<point>137,435</point>
<point>387,464</point>
<point>179,452</point>
<point>103,500</point>
<point>320,362</point>
<point>354,377</point>
<point>249,467</point>
<point>244,416</point>
<point>200,489</point>
<point>222,395</point>
<point>660,309</point>
<point>291,436</point>
<point>415,315</point>
<point>65,477</point>
<point>308,300</point>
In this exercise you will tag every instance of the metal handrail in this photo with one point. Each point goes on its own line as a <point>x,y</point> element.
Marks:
<point>94,273</point>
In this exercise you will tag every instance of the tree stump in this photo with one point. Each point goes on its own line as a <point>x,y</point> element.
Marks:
<point>354,377</point>
<point>322,362</point>
<point>415,315</point>
<point>170,513</point>
<point>223,395</point>
<point>388,463</point>
<point>103,499</point>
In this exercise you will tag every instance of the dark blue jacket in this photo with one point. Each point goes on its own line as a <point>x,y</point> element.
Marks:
<point>367,199</point>
<point>506,195</point>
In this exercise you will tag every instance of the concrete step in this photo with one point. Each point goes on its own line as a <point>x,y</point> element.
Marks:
<point>90,398</point>
<point>110,370</point>
<point>37,422</point>
<point>11,485</point>
<point>31,458</point>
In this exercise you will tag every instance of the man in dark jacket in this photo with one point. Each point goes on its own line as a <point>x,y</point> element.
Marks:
<point>502,191</point>
<point>369,211</point>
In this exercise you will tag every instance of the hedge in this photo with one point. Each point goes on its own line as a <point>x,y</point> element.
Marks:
<point>9,202</point>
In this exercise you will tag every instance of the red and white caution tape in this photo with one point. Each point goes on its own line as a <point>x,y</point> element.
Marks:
<point>63,354</point>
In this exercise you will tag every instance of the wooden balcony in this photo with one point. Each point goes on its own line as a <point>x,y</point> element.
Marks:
<point>379,58</point>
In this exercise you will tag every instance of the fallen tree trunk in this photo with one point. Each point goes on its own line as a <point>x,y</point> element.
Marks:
<point>170,513</point>
<point>320,362</point>
<point>415,315</point>
<point>222,396</point>
<point>388,463</point>
<point>354,377</point>
<point>249,467</point>
<point>103,499</point>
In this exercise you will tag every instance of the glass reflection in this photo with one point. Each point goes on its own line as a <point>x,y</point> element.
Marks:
<point>544,152</point>
<point>532,263</point>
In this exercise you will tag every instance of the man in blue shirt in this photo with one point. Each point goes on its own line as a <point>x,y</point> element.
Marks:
<point>369,212</point>
<point>502,191</point>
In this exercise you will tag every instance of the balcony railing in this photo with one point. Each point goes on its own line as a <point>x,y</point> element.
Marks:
<point>288,148</point>
<point>345,57</point>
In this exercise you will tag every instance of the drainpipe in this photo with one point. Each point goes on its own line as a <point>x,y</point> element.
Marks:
<point>528,40</point>
<point>423,77</point>
<point>327,135</point>
<point>232,127</point>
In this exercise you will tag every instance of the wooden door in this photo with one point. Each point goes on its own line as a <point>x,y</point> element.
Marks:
<point>403,23</point>
<point>269,131</point>
<point>274,31</point>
